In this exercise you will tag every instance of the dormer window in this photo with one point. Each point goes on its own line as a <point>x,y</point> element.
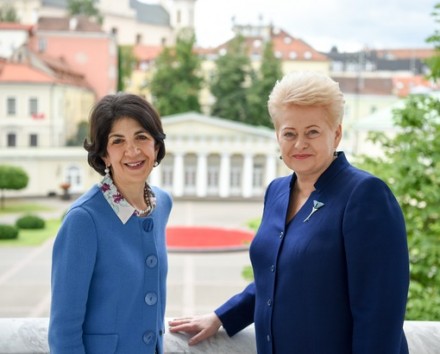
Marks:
<point>293,55</point>
<point>308,55</point>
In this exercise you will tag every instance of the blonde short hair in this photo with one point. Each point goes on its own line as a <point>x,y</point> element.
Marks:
<point>307,88</point>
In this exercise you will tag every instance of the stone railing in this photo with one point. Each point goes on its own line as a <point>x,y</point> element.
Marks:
<point>29,336</point>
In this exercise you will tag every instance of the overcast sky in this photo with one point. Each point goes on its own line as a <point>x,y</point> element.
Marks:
<point>348,24</point>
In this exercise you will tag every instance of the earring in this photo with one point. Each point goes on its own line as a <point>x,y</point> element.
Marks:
<point>107,171</point>
<point>155,164</point>
<point>280,157</point>
<point>335,154</point>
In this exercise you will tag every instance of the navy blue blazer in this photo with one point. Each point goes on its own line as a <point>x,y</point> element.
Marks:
<point>331,281</point>
<point>109,279</point>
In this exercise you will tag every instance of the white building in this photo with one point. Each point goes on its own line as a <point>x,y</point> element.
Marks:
<point>155,22</point>
<point>206,158</point>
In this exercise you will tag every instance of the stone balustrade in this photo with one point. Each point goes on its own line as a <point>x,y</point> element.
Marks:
<point>29,335</point>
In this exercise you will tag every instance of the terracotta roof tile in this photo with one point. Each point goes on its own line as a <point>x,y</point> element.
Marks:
<point>15,26</point>
<point>17,72</point>
<point>405,85</point>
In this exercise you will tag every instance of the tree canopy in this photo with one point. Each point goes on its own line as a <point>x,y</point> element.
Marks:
<point>11,178</point>
<point>262,84</point>
<point>8,14</point>
<point>229,85</point>
<point>177,80</point>
<point>84,7</point>
<point>411,167</point>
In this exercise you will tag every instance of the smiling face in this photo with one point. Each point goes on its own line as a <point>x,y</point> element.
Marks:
<point>307,139</point>
<point>131,152</point>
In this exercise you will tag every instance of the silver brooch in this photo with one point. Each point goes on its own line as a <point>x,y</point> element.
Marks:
<point>316,206</point>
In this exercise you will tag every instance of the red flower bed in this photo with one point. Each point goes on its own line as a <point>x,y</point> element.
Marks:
<point>195,238</point>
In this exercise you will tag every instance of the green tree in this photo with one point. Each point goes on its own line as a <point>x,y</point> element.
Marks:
<point>126,64</point>
<point>8,14</point>
<point>411,166</point>
<point>229,85</point>
<point>262,84</point>
<point>13,178</point>
<point>81,133</point>
<point>84,7</point>
<point>177,81</point>
<point>434,62</point>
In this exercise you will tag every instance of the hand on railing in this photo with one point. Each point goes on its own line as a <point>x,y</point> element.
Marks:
<point>200,327</point>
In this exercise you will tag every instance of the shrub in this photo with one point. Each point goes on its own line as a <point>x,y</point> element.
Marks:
<point>30,222</point>
<point>8,232</point>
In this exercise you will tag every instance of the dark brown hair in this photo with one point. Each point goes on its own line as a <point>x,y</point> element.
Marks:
<point>107,111</point>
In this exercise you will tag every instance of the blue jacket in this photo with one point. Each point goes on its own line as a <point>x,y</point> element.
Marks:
<point>109,279</point>
<point>331,281</point>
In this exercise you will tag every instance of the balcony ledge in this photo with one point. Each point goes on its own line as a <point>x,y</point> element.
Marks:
<point>29,335</point>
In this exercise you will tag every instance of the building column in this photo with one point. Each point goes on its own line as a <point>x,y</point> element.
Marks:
<point>225,176</point>
<point>271,168</point>
<point>202,175</point>
<point>155,175</point>
<point>246,184</point>
<point>178,177</point>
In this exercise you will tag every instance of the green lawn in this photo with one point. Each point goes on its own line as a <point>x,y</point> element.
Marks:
<point>29,237</point>
<point>13,206</point>
<point>34,237</point>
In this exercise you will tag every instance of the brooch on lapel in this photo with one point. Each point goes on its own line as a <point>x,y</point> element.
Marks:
<point>316,206</point>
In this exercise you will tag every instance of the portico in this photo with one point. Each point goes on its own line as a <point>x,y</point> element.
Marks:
<point>213,157</point>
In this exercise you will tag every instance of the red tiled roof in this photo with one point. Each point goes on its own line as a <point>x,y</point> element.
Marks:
<point>18,72</point>
<point>15,26</point>
<point>292,48</point>
<point>404,85</point>
<point>59,72</point>
<point>285,46</point>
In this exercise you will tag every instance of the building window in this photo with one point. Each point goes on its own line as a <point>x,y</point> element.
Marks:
<point>11,106</point>
<point>33,106</point>
<point>190,174</point>
<point>167,176</point>
<point>293,55</point>
<point>33,140</point>
<point>12,140</point>
<point>258,176</point>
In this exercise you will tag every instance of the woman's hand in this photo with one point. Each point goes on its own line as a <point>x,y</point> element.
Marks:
<point>200,327</point>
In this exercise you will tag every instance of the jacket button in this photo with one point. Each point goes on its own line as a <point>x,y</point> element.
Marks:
<point>269,302</point>
<point>148,224</point>
<point>151,261</point>
<point>149,337</point>
<point>281,234</point>
<point>268,338</point>
<point>151,299</point>
<point>272,268</point>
